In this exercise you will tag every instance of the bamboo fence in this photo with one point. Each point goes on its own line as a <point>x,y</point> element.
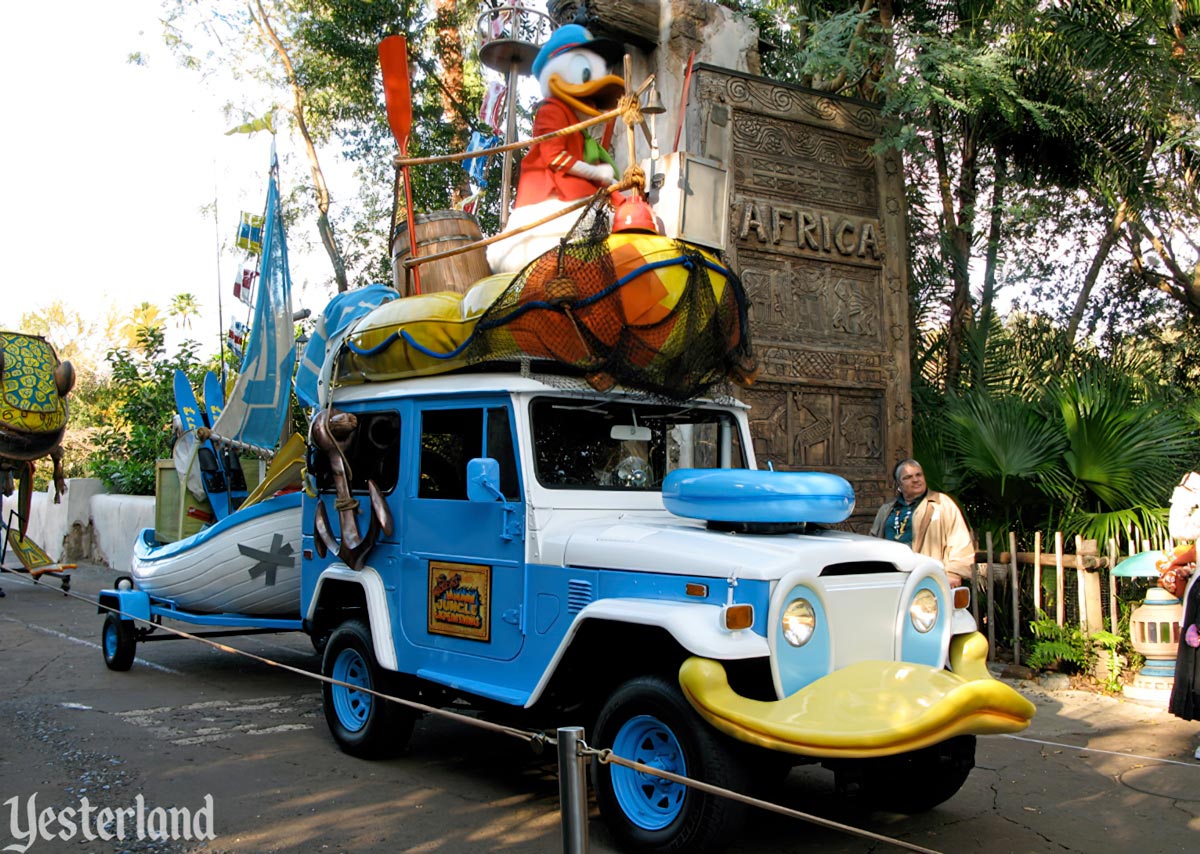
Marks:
<point>1012,568</point>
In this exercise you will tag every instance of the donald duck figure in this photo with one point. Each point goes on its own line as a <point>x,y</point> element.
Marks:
<point>572,70</point>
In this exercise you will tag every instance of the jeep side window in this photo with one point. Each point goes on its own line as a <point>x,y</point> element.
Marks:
<point>373,452</point>
<point>452,437</point>
<point>500,447</point>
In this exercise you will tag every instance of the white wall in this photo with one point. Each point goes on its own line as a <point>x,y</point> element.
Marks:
<point>88,524</point>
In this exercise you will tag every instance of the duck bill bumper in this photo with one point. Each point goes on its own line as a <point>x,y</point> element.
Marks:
<point>868,709</point>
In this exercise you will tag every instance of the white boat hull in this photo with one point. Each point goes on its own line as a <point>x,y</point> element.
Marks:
<point>247,563</point>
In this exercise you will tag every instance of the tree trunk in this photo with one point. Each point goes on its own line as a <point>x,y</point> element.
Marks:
<point>957,227</point>
<point>1089,281</point>
<point>988,298</point>
<point>450,53</point>
<point>324,226</point>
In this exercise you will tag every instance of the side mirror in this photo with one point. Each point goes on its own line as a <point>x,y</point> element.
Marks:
<point>483,480</point>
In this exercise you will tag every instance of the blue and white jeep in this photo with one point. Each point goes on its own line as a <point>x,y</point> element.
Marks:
<point>524,556</point>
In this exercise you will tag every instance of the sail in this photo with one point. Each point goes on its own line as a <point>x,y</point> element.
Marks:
<point>257,408</point>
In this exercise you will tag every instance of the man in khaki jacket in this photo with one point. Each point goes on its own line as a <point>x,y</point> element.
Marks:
<point>930,523</point>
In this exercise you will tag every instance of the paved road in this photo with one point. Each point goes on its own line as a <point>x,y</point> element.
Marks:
<point>1092,774</point>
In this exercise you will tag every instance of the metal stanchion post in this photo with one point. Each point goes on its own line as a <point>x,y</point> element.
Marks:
<point>572,790</point>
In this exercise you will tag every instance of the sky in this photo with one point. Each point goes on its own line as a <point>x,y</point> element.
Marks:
<point>113,168</point>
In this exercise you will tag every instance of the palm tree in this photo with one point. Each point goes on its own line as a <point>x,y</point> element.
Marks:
<point>1124,454</point>
<point>184,306</point>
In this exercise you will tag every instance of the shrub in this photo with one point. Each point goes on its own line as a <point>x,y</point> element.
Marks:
<point>143,401</point>
<point>1056,647</point>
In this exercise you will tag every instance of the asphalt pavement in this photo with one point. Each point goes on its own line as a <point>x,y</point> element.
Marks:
<point>238,750</point>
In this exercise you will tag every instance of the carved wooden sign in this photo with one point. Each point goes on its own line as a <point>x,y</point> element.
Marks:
<point>816,225</point>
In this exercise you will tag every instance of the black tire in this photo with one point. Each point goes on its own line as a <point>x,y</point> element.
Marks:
<point>362,724</point>
<point>118,641</point>
<point>916,782</point>
<point>648,718</point>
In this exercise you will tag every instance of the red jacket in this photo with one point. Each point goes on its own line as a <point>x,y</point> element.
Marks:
<point>544,169</point>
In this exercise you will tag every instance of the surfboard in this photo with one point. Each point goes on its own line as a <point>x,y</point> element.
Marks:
<point>216,485</point>
<point>214,405</point>
<point>214,397</point>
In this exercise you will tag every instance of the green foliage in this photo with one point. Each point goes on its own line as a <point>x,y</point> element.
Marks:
<point>1111,644</point>
<point>143,402</point>
<point>1058,647</point>
<point>1053,436</point>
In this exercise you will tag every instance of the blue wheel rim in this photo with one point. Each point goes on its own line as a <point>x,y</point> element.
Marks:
<point>650,802</point>
<point>110,640</point>
<point>353,706</point>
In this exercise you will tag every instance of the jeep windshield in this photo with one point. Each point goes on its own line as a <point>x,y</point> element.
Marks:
<point>619,445</point>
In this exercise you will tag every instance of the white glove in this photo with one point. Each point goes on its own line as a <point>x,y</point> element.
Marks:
<point>600,174</point>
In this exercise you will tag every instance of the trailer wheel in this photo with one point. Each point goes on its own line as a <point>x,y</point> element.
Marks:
<point>648,720</point>
<point>362,724</point>
<point>119,642</point>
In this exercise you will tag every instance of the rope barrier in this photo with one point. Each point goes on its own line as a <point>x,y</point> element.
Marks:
<point>445,713</point>
<point>538,741</point>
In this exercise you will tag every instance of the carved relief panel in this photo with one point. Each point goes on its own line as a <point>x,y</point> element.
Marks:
<point>816,224</point>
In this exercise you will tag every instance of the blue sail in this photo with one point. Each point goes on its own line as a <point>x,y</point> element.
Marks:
<point>258,406</point>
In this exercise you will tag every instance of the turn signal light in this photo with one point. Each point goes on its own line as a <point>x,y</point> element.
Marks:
<point>737,617</point>
<point>962,597</point>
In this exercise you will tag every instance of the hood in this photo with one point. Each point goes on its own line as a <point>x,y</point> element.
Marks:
<point>683,547</point>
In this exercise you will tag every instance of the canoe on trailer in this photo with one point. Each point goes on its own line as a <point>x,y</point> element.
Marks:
<point>246,563</point>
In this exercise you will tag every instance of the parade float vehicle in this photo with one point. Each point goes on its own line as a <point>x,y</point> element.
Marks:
<point>544,542</point>
<point>538,498</point>
<point>34,386</point>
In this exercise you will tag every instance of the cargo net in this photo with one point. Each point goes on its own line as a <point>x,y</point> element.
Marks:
<point>639,311</point>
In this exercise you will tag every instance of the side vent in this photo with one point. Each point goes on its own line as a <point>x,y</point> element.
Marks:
<point>579,595</point>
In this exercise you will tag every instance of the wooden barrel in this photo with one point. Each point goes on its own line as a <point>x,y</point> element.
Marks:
<point>436,232</point>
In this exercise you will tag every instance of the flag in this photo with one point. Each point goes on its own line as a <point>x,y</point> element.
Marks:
<point>250,232</point>
<point>471,202</point>
<point>257,406</point>
<point>477,166</point>
<point>491,111</point>
<point>237,337</point>
<point>243,288</point>
<point>267,122</point>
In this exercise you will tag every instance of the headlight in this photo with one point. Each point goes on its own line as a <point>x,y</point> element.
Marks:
<point>799,622</point>
<point>923,611</point>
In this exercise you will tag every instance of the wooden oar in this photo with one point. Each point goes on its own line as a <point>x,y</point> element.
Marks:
<point>397,95</point>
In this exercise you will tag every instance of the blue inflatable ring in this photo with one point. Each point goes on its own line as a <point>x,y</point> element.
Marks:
<point>752,495</point>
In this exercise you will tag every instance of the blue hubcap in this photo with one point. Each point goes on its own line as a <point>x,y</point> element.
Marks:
<point>650,802</point>
<point>110,640</point>
<point>352,706</point>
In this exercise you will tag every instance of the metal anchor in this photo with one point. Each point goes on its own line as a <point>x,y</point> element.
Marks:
<point>332,431</point>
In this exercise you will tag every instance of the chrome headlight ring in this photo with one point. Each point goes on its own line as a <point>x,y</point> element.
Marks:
<point>923,610</point>
<point>799,622</point>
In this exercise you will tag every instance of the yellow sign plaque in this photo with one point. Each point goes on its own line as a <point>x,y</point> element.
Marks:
<point>460,600</point>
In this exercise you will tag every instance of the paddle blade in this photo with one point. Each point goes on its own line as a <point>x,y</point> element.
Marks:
<point>397,92</point>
